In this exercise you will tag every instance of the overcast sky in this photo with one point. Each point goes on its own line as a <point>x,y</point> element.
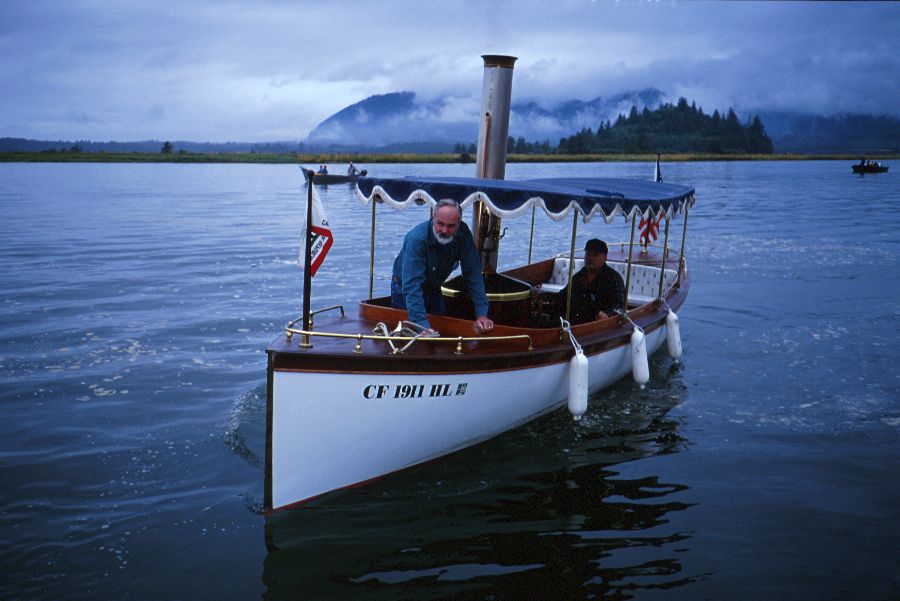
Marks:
<point>249,71</point>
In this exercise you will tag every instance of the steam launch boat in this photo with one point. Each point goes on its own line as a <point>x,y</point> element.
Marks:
<point>361,394</point>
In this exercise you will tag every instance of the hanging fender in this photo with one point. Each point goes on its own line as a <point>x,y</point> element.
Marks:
<point>578,384</point>
<point>640,368</point>
<point>673,335</point>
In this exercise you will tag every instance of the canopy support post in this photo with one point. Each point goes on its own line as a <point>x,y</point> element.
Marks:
<point>307,262</point>
<point>372,253</point>
<point>571,265</point>
<point>531,236</point>
<point>662,268</point>
<point>683,237</point>
<point>628,267</point>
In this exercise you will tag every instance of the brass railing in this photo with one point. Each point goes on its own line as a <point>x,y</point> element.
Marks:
<point>459,340</point>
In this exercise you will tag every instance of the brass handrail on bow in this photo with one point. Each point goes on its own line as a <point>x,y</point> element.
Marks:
<point>459,340</point>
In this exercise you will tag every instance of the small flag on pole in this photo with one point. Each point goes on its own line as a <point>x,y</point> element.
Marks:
<point>649,227</point>
<point>321,236</point>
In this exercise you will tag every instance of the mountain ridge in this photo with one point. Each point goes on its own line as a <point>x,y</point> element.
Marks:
<point>401,122</point>
<point>399,117</point>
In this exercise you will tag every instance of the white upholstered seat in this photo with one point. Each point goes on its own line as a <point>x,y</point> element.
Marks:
<point>644,283</point>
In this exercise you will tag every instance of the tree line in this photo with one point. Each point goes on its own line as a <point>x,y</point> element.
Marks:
<point>679,127</point>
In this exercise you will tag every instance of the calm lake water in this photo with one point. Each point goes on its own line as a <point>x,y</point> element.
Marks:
<point>138,301</point>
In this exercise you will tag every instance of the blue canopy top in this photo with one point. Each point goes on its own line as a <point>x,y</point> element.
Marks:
<point>556,196</point>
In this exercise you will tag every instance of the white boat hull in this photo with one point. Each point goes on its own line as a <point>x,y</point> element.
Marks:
<point>333,430</point>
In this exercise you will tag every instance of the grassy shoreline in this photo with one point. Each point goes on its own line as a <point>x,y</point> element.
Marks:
<point>363,158</point>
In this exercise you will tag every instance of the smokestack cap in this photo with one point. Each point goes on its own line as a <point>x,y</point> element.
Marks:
<point>499,60</point>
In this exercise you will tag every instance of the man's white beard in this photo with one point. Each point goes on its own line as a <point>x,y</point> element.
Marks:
<point>441,239</point>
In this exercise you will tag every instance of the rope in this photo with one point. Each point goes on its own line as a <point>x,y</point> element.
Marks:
<point>567,328</point>
<point>404,329</point>
<point>628,319</point>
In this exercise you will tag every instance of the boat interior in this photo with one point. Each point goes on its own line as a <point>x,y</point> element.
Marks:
<point>524,303</point>
<point>530,296</point>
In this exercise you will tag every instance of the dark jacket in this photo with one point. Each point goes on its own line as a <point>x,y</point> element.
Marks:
<point>606,293</point>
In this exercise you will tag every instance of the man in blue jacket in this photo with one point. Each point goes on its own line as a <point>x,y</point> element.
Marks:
<point>430,252</point>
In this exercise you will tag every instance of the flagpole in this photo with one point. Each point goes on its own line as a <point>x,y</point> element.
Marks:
<point>307,262</point>
<point>645,237</point>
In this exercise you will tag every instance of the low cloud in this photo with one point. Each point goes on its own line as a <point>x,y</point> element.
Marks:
<point>246,70</point>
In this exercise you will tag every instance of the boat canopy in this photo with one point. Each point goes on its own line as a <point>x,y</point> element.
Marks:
<point>556,196</point>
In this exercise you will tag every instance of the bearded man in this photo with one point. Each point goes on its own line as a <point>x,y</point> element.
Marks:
<point>430,252</point>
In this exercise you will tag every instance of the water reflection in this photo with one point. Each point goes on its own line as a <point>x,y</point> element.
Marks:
<point>536,513</point>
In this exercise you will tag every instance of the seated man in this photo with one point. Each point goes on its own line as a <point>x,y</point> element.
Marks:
<point>597,289</point>
<point>430,252</point>
<point>352,170</point>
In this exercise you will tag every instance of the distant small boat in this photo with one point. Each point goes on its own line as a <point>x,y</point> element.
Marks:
<point>869,167</point>
<point>327,178</point>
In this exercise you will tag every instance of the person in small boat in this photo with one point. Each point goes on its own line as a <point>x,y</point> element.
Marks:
<point>352,170</point>
<point>597,291</point>
<point>430,252</point>
<point>323,170</point>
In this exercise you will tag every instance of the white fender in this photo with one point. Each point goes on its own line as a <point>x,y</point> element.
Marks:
<point>578,384</point>
<point>673,335</point>
<point>640,369</point>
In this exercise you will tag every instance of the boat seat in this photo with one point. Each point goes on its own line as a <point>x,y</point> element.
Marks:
<point>560,275</point>
<point>643,286</point>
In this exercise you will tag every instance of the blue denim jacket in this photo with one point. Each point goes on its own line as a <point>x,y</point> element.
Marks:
<point>424,264</point>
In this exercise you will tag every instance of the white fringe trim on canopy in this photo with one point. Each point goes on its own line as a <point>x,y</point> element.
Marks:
<point>420,197</point>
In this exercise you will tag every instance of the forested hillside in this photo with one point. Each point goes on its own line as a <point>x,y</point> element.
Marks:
<point>680,127</point>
